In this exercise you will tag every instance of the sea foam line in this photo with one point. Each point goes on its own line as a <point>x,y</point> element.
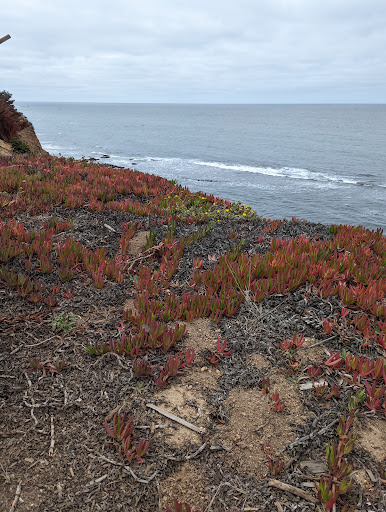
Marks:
<point>285,172</point>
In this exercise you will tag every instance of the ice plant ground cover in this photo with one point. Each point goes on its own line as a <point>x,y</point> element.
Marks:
<point>121,290</point>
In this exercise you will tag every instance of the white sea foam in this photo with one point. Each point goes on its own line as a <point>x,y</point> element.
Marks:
<point>285,172</point>
<point>51,147</point>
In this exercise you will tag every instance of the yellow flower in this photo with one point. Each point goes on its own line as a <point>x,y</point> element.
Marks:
<point>206,213</point>
<point>227,210</point>
<point>244,214</point>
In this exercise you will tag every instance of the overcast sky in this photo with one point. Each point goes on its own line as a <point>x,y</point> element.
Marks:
<point>196,51</point>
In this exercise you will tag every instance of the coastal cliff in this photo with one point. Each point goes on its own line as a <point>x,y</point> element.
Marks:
<point>17,135</point>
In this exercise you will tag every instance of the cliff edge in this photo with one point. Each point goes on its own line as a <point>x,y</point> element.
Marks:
<point>17,135</point>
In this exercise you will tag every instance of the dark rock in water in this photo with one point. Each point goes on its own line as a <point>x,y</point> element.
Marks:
<point>133,163</point>
<point>92,159</point>
<point>112,166</point>
<point>105,156</point>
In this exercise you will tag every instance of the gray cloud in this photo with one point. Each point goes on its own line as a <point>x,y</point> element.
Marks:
<point>258,51</point>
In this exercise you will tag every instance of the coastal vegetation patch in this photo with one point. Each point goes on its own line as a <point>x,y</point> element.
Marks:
<point>170,350</point>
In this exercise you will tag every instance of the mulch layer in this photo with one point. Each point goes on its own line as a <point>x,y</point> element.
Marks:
<point>56,455</point>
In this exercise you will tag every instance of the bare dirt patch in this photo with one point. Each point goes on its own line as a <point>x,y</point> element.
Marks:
<point>201,336</point>
<point>187,403</point>
<point>253,423</point>
<point>137,242</point>
<point>259,361</point>
<point>312,352</point>
<point>373,439</point>
<point>187,484</point>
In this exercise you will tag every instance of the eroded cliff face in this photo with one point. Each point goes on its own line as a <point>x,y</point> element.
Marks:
<point>17,135</point>
<point>5,148</point>
<point>28,137</point>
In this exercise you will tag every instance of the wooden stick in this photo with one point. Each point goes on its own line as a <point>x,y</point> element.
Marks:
<point>320,342</point>
<point>51,450</point>
<point>16,498</point>
<point>4,38</point>
<point>176,418</point>
<point>293,490</point>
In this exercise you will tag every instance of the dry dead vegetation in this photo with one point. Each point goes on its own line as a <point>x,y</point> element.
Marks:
<point>238,451</point>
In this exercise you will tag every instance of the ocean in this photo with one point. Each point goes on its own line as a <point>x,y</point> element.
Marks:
<point>322,163</point>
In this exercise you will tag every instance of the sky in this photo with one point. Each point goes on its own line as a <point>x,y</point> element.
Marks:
<point>196,51</point>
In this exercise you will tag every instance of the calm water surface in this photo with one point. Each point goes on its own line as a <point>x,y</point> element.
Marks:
<point>323,163</point>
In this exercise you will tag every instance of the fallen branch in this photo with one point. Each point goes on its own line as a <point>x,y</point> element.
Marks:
<point>176,418</point>
<point>293,490</point>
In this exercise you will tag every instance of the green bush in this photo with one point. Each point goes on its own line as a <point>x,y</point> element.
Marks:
<point>19,147</point>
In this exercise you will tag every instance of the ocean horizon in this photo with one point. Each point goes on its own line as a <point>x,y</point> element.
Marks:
<point>323,163</point>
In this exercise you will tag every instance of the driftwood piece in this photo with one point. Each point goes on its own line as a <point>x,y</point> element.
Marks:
<point>293,490</point>
<point>176,418</point>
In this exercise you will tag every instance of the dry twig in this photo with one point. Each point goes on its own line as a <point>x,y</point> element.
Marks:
<point>320,342</point>
<point>41,342</point>
<point>197,452</point>
<point>140,480</point>
<point>293,490</point>
<point>176,418</point>
<point>16,498</point>
<point>51,450</point>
